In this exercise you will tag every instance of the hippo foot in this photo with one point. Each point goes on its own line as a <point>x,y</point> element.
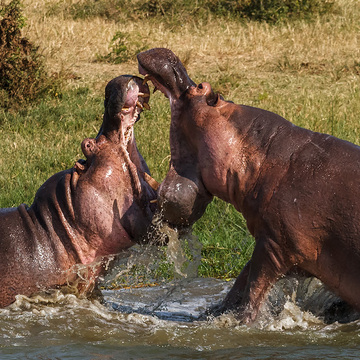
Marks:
<point>243,316</point>
<point>217,310</point>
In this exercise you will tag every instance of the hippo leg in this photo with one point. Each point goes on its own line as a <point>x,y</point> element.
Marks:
<point>234,298</point>
<point>266,266</point>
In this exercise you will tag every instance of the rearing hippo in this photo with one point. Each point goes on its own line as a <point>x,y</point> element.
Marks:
<point>298,190</point>
<point>95,209</point>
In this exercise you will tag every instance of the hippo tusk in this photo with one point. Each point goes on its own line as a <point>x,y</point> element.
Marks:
<point>138,103</point>
<point>146,106</point>
<point>151,181</point>
<point>141,94</point>
<point>146,79</point>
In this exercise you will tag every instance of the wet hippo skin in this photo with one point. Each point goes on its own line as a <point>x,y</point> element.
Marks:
<point>298,190</point>
<point>97,208</point>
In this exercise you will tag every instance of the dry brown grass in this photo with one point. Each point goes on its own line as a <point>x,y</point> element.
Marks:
<point>306,71</point>
<point>252,47</point>
<point>281,68</point>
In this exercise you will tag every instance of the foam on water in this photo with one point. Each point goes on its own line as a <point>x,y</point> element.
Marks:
<point>163,315</point>
<point>298,311</point>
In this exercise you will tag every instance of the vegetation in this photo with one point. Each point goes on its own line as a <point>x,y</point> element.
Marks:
<point>176,11</point>
<point>22,74</point>
<point>122,48</point>
<point>305,69</point>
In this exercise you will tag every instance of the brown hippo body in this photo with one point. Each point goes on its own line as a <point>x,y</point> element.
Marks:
<point>81,215</point>
<point>298,190</point>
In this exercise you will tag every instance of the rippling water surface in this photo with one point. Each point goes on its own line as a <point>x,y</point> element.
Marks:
<point>161,323</point>
<point>299,320</point>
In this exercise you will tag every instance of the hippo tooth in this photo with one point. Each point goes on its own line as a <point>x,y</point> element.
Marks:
<point>146,79</point>
<point>141,94</point>
<point>146,106</point>
<point>138,103</point>
<point>125,108</point>
<point>151,181</point>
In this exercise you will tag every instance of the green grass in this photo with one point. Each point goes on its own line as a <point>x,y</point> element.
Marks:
<point>45,138</point>
<point>227,244</point>
<point>41,140</point>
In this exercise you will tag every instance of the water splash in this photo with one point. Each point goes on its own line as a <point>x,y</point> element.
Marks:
<point>302,302</point>
<point>66,324</point>
<point>184,251</point>
<point>165,315</point>
<point>167,253</point>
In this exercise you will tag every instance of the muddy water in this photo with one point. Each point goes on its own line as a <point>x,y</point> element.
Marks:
<point>298,321</point>
<point>161,323</point>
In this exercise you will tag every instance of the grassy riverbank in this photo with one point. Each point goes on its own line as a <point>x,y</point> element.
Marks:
<point>306,70</point>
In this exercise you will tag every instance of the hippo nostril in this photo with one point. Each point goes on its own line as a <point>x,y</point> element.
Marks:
<point>200,86</point>
<point>88,147</point>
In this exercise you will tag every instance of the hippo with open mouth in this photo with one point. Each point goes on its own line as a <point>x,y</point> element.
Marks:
<point>298,190</point>
<point>82,215</point>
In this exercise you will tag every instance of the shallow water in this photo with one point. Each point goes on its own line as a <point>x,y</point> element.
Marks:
<point>299,320</point>
<point>160,323</point>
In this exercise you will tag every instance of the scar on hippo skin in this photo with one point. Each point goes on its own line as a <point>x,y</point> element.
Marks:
<point>82,216</point>
<point>297,189</point>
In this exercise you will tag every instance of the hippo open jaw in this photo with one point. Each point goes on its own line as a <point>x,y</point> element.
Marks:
<point>164,69</point>
<point>125,98</point>
<point>136,101</point>
<point>156,83</point>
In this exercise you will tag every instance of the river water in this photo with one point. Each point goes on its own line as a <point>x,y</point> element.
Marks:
<point>299,320</point>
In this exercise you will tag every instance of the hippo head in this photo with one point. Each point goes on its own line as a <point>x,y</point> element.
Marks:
<point>165,71</point>
<point>114,181</point>
<point>182,195</point>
